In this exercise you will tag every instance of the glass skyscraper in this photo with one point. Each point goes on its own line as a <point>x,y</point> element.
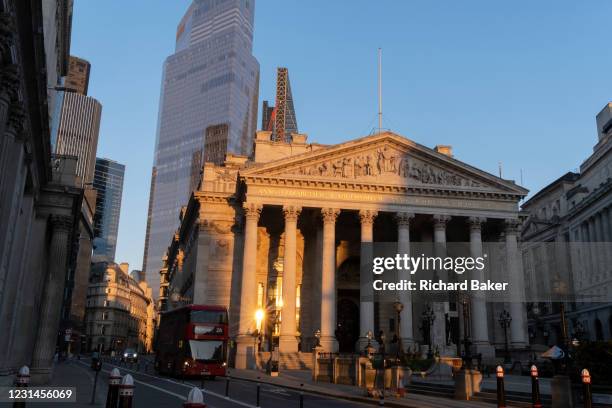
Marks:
<point>108,183</point>
<point>208,101</point>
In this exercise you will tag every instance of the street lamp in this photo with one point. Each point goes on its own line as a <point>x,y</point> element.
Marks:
<point>428,317</point>
<point>504,322</point>
<point>398,306</point>
<point>259,316</point>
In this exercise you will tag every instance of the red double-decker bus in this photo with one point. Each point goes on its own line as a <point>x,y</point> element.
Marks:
<point>192,341</point>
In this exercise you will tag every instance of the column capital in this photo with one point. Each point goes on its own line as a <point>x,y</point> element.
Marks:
<point>403,218</point>
<point>440,221</point>
<point>252,210</point>
<point>9,80</point>
<point>367,216</point>
<point>16,118</point>
<point>475,223</point>
<point>291,212</point>
<point>329,215</point>
<point>61,223</point>
<point>512,225</point>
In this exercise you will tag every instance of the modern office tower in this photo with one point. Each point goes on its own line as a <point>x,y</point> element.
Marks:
<point>108,182</point>
<point>77,131</point>
<point>209,91</point>
<point>280,119</point>
<point>77,79</point>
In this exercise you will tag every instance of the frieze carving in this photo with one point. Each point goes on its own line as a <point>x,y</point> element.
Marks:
<point>386,162</point>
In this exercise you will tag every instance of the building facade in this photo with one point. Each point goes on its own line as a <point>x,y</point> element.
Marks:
<point>77,131</point>
<point>209,97</point>
<point>77,79</point>
<point>108,183</point>
<point>40,200</point>
<point>119,310</point>
<point>287,231</point>
<point>568,247</point>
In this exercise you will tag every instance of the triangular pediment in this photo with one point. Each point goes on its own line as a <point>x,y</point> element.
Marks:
<point>385,158</point>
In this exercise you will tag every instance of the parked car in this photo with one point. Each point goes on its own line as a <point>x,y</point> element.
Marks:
<point>129,355</point>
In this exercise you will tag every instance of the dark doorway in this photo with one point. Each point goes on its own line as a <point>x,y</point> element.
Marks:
<point>347,317</point>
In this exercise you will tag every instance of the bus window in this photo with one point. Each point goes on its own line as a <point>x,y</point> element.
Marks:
<point>206,350</point>
<point>209,316</point>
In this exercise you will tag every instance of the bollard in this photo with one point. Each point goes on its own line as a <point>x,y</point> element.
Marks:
<point>97,367</point>
<point>301,395</point>
<point>501,394</point>
<point>227,380</point>
<point>195,399</point>
<point>22,380</point>
<point>586,388</point>
<point>535,388</point>
<point>258,388</point>
<point>114,380</point>
<point>126,392</point>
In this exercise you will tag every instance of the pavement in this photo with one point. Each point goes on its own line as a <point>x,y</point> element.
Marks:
<point>153,390</point>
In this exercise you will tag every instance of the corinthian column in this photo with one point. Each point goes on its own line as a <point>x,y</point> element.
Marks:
<point>288,341</point>
<point>366,292</point>
<point>328,281</point>
<point>514,259</point>
<point>480,331</point>
<point>405,296</point>
<point>440,308</point>
<point>245,351</point>
<point>44,349</point>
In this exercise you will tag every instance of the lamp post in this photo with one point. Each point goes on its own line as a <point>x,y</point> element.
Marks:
<point>504,321</point>
<point>467,357</point>
<point>428,317</point>
<point>399,306</point>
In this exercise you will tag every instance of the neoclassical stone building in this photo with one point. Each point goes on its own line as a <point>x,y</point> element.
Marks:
<point>40,199</point>
<point>568,238</point>
<point>285,231</point>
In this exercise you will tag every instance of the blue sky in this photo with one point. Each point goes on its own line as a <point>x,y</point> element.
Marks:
<point>512,82</point>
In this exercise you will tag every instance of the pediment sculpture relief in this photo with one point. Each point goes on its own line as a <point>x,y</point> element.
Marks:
<point>387,163</point>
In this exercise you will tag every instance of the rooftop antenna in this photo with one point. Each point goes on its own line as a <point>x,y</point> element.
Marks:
<point>379,90</point>
<point>500,169</point>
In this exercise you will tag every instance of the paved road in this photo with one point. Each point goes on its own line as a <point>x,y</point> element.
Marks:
<point>152,390</point>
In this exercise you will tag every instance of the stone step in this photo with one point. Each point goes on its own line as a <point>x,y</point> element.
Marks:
<point>434,390</point>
